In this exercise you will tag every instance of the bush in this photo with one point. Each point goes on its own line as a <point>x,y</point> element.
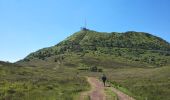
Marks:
<point>93,69</point>
<point>100,70</point>
<point>11,91</point>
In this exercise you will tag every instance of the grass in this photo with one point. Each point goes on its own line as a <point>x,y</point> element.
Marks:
<point>135,79</point>
<point>39,83</point>
<point>110,95</point>
<point>142,83</point>
<point>134,62</point>
<point>58,80</point>
<point>87,97</point>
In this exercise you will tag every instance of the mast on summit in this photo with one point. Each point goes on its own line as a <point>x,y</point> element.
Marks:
<point>85,25</point>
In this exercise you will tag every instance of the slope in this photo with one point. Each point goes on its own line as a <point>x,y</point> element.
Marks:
<point>133,47</point>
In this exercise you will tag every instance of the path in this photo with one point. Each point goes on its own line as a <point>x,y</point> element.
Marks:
<point>97,91</point>
<point>121,95</point>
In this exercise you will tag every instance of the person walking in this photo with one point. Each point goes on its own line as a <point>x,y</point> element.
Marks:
<point>104,79</point>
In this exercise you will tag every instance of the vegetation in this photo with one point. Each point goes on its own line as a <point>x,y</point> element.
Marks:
<point>142,83</point>
<point>38,83</point>
<point>137,63</point>
<point>110,95</point>
<point>138,47</point>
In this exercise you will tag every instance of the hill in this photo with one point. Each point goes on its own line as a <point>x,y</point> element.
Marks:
<point>128,47</point>
<point>136,63</point>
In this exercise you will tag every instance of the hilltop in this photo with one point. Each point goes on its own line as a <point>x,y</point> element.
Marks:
<point>128,48</point>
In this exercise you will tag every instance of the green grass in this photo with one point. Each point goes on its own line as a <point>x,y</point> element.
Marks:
<point>39,83</point>
<point>110,95</point>
<point>63,82</point>
<point>137,81</point>
<point>51,80</point>
<point>87,97</point>
<point>142,83</point>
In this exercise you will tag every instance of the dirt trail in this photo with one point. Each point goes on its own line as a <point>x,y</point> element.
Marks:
<point>97,91</point>
<point>121,95</point>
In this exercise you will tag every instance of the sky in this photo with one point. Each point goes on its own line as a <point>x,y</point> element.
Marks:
<point>29,25</point>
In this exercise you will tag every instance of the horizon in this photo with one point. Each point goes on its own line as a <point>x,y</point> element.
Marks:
<point>27,26</point>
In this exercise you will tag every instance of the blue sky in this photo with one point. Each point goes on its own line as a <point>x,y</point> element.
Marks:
<point>29,25</point>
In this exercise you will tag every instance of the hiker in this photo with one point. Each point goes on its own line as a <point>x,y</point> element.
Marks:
<point>104,79</point>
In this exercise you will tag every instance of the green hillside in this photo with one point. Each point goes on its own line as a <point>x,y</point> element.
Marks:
<point>137,63</point>
<point>136,47</point>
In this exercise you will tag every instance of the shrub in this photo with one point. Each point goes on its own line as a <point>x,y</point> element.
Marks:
<point>93,69</point>
<point>100,70</point>
<point>11,91</point>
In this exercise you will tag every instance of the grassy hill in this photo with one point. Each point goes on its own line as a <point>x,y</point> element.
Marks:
<point>137,63</point>
<point>136,47</point>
